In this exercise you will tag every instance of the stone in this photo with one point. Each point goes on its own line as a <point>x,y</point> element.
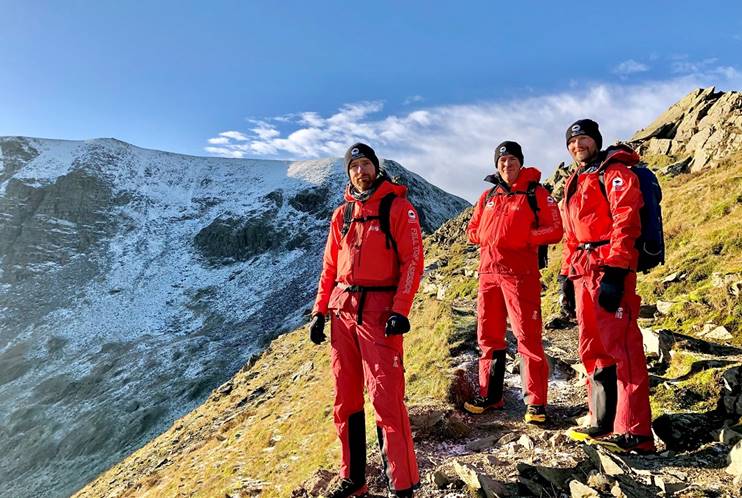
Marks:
<point>664,307</point>
<point>720,333</point>
<point>683,431</point>
<point>508,438</point>
<point>424,420</point>
<point>526,442</point>
<point>439,479</point>
<point>467,474</point>
<point>558,477</point>
<point>599,481</point>
<point>673,277</point>
<point>455,428</point>
<point>580,490</point>
<point>580,369</point>
<point>647,310</point>
<point>606,462</point>
<point>492,488</point>
<point>441,294</point>
<point>481,444</point>
<point>678,168</point>
<point>734,461</point>
<point>530,486</point>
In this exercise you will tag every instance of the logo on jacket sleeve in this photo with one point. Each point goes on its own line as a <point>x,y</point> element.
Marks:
<point>618,183</point>
<point>411,216</point>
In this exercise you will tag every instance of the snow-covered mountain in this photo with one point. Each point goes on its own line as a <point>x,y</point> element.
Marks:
<point>133,281</point>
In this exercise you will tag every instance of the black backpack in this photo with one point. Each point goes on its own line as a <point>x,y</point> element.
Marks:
<point>651,242</point>
<point>530,193</point>
<point>385,208</point>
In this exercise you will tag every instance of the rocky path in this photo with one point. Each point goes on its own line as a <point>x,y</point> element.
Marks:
<point>496,454</point>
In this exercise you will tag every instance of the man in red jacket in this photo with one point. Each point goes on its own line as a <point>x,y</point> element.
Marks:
<point>601,207</point>
<point>509,222</point>
<point>371,270</point>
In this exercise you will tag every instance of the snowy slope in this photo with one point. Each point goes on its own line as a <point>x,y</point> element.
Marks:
<point>133,281</point>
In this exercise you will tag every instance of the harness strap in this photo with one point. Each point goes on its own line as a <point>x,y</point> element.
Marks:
<point>589,246</point>
<point>363,290</point>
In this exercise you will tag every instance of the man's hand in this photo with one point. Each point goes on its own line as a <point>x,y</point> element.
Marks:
<point>566,296</point>
<point>611,288</point>
<point>317,328</point>
<point>396,325</point>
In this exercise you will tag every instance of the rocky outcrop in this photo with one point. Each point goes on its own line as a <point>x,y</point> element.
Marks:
<point>697,132</point>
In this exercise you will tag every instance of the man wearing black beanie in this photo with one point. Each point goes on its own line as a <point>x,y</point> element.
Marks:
<point>509,223</point>
<point>601,204</point>
<point>371,270</point>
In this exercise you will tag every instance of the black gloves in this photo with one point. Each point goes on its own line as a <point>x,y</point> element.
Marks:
<point>397,324</point>
<point>317,328</point>
<point>611,288</point>
<point>566,296</point>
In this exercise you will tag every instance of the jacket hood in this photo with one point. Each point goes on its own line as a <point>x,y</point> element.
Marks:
<point>527,175</point>
<point>385,187</point>
<point>620,153</point>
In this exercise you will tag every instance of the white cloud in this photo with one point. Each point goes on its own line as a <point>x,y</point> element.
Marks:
<point>224,152</point>
<point>452,145</point>
<point>219,141</point>
<point>630,67</point>
<point>234,135</point>
<point>682,65</point>
<point>413,100</point>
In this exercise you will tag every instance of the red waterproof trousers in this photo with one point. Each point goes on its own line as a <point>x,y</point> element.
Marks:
<point>615,339</point>
<point>361,354</point>
<point>520,297</point>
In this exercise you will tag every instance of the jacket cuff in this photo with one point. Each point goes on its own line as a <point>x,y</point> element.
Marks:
<point>402,307</point>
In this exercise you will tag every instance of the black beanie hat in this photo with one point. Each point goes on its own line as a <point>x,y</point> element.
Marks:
<point>585,127</point>
<point>509,147</point>
<point>358,150</point>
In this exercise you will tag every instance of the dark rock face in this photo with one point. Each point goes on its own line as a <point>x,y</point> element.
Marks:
<point>230,240</point>
<point>51,223</point>
<point>312,201</point>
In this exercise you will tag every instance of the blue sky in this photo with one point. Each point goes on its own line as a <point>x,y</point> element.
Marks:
<point>431,84</point>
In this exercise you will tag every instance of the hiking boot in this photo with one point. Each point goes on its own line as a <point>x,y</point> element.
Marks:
<point>626,443</point>
<point>407,493</point>
<point>344,488</point>
<point>479,405</point>
<point>586,434</point>
<point>535,414</point>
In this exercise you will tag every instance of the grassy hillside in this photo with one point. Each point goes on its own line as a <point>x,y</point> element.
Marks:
<point>703,231</point>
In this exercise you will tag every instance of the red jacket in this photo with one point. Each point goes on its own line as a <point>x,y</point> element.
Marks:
<point>362,258</point>
<point>593,216</point>
<point>505,225</point>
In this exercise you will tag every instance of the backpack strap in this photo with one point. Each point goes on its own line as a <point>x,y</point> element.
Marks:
<point>347,217</point>
<point>532,201</point>
<point>385,209</point>
<point>601,182</point>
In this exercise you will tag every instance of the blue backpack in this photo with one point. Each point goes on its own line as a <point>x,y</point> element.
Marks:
<point>651,242</point>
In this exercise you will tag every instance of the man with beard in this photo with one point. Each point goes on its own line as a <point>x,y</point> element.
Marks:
<point>509,222</point>
<point>371,270</point>
<point>602,199</point>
